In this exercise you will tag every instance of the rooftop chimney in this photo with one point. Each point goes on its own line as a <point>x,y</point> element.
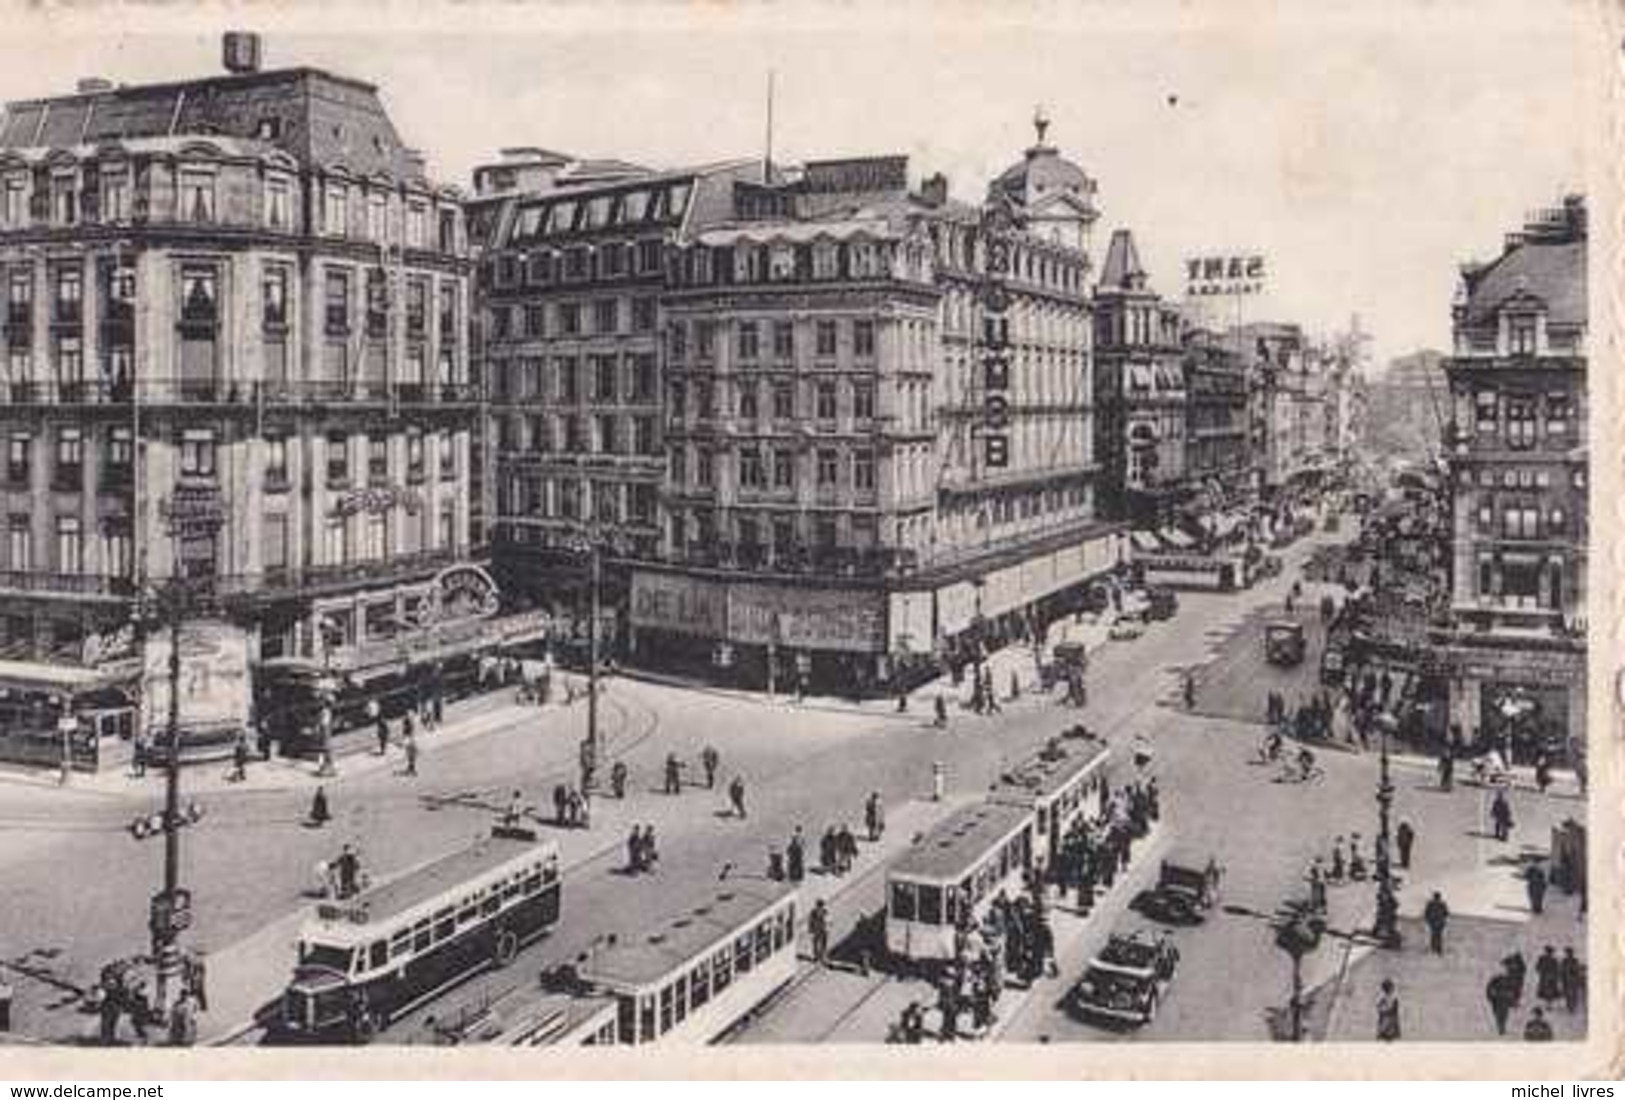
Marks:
<point>91,85</point>
<point>240,52</point>
<point>934,190</point>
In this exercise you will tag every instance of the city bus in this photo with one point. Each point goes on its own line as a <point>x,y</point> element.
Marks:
<point>366,960</point>
<point>1057,783</point>
<point>696,976</point>
<point>952,874</point>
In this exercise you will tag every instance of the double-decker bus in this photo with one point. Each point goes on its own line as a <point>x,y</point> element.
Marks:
<point>366,960</point>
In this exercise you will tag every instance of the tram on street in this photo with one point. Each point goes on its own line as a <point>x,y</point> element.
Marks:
<point>563,1020</point>
<point>366,960</point>
<point>952,874</point>
<point>699,974</point>
<point>1056,783</point>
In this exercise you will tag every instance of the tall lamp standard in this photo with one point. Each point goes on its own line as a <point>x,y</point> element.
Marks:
<point>1385,929</point>
<point>590,541</point>
<point>187,514</point>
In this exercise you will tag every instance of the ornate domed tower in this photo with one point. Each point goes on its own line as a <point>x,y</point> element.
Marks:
<point>1051,195</point>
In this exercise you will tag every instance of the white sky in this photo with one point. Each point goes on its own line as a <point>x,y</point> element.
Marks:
<point>1366,157</point>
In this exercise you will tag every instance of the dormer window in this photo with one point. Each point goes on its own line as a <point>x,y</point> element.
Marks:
<point>268,129</point>
<point>335,203</point>
<point>1521,334</point>
<point>826,261</point>
<point>115,195</point>
<point>197,195</point>
<point>64,198</point>
<point>782,263</point>
<point>377,218</point>
<point>278,204</point>
<point>14,202</point>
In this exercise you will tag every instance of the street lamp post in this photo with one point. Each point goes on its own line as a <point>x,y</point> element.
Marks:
<point>1385,928</point>
<point>593,746</point>
<point>170,912</point>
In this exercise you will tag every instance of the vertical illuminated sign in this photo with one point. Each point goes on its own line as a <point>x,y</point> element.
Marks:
<point>994,350</point>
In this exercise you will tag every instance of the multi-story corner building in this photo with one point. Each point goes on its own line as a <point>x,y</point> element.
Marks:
<point>1518,456</point>
<point>240,290</point>
<point>820,491</point>
<point>1141,392</point>
<point>573,282</point>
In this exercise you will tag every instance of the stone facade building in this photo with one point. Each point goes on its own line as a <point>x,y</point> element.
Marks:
<point>1518,455</point>
<point>241,289</point>
<point>830,482</point>
<point>1141,392</point>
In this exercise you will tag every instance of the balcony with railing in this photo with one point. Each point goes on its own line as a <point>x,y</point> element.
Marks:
<point>75,585</point>
<point>315,580</point>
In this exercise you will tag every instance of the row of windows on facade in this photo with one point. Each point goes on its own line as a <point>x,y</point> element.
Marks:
<point>1138,326</point>
<point>1027,320</point>
<point>1521,335</point>
<point>783,262</point>
<point>1520,518</point>
<point>67,548</point>
<point>538,321</point>
<point>1514,418</point>
<point>748,343</point>
<point>528,379</point>
<point>1012,506</point>
<point>611,435</point>
<point>578,264</point>
<point>826,404</point>
<point>1522,583</point>
<point>638,206</point>
<point>198,288</point>
<point>775,468</point>
<point>963,249</point>
<point>697,531</point>
<point>109,196</point>
<point>198,457</point>
<point>117,556</point>
<point>574,498</point>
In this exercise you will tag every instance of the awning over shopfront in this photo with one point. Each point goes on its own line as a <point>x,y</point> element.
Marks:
<point>41,676</point>
<point>1176,538</point>
<point>1145,540</point>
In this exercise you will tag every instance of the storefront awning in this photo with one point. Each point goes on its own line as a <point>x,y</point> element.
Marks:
<point>1145,540</point>
<point>40,676</point>
<point>1175,537</point>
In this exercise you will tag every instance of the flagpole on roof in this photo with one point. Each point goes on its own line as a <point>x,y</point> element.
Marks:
<point>767,152</point>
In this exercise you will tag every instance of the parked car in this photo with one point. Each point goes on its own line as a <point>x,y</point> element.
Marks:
<point>1125,982</point>
<point>1164,603</point>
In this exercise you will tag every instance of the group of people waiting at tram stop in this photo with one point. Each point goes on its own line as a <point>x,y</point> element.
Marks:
<point>121,990</point>
<point>1093,852</point>
<point>837,847</point>
<point>1013,939</point>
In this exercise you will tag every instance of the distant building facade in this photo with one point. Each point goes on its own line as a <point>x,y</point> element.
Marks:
<point>1518,454</point>
<point>1409,406</point>
<point>1142,408</point>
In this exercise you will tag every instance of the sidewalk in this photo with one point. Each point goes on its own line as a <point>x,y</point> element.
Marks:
<point>354,755</point>
<point>1017,658</point>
